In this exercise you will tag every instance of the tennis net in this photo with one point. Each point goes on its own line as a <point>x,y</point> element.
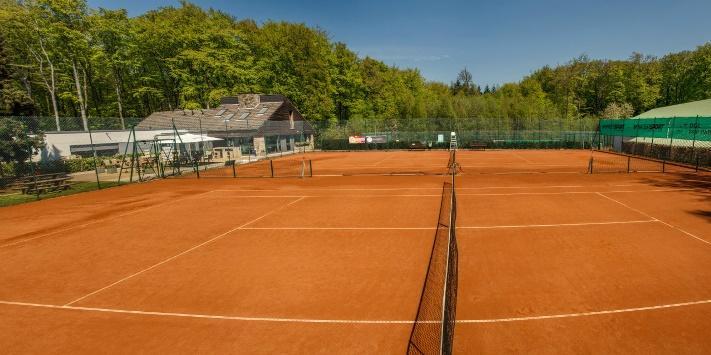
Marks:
<point>433,330</point>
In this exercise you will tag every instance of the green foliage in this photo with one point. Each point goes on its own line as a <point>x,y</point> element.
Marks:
<point>189,57</point>
<point>17,144</point>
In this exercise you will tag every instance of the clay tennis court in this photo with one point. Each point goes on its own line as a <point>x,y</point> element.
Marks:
<point>550,260</point>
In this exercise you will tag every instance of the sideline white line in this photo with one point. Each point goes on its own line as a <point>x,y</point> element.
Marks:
<point>101,220</point>
<point>183,252</point>
<point>351,321</point>
<point>522,158</point>
<point>584,314</point>
<point>656,219</point>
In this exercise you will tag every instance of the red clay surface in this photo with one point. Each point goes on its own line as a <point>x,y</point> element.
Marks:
<point>549,262</point>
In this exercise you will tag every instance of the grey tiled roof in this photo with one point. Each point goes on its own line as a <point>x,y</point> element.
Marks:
<point>232,118</point>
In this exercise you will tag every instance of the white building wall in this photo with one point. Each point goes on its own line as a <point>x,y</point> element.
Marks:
<point>58,144</point>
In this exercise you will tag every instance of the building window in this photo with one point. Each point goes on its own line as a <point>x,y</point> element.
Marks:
<point>291,119</point>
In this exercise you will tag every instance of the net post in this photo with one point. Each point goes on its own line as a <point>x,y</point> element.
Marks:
<point>590,165</point>
<point>271,167</point>
<point>311,169</point>
<point>197,169</point>
<point>629,160</point>
<point>234,169</point>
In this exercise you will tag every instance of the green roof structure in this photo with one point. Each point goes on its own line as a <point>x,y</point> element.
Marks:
<point>690,109</point>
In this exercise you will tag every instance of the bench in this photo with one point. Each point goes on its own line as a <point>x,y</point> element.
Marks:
<point>43,183</point>
<point>416,146</point>
<point>477,145</point>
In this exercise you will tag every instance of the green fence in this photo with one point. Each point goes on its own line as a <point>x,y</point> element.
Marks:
<point>684,140</point>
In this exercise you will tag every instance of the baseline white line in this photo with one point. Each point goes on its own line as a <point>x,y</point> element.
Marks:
<point>420,188</point>
<point>458,227</point>
<point>559,225</point>
<point>464,194</point>
<point>208,316</point>
<point>656,219</point>
<point>182,253</point>
<point>339,228</point>
<point>100,220</point>
<point>352,321</point>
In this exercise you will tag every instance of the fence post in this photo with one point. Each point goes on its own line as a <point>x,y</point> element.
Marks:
<point>96,158</point>
<point>693,143</point>
<point>671,138</point>
<point>234,169</point>
<point>271,167</point>
<point>123,159</point>
<point>176,147</point>
<point>133,154</point>
<point>311,169</point>
<point>34,173</point>
<point>197,169</point>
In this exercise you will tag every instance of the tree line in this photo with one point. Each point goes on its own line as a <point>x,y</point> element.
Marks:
<point>60,58</point>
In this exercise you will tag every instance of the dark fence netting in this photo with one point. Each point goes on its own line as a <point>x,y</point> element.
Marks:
<point>653,144</point>
<point>530,133</point>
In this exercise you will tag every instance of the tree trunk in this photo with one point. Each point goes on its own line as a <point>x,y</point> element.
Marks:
<point>120,108</point>
<point>80,96</point>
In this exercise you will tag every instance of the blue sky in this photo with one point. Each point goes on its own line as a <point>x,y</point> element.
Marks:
<point>498,41</point>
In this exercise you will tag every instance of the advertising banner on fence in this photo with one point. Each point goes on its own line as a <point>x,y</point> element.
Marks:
<point>356,140</point>
<point>377,139</point>
<point>690,128</point>
<point>367,139</point>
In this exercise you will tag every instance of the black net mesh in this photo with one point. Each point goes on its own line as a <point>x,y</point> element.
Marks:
<point>433,330</point>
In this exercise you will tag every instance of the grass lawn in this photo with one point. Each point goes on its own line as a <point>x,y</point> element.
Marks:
<point>18,198</point>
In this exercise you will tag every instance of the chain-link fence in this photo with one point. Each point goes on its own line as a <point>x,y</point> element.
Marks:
<point>653,144</point>
<point>497,133</point>
<point>47,155</point>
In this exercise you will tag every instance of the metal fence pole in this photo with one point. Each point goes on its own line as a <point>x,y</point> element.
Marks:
<point>693,144</point>
<point>123,159</point>
<point>671,138</point>
<point>96,158</point>
<point>271,167</point>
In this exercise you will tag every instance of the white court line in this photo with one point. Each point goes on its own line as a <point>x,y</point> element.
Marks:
<point>468,194</point>
<point>340,228</point>
<point>585,314</point>
<point>657,219</point>
<point>530,172</point>
<point>558,225</point>
<point>458,227</point>
<point>439,188</point>
<point>183,252</point>
<point>522,158</point>
<point>100,220</point>
<point>351,321</point>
